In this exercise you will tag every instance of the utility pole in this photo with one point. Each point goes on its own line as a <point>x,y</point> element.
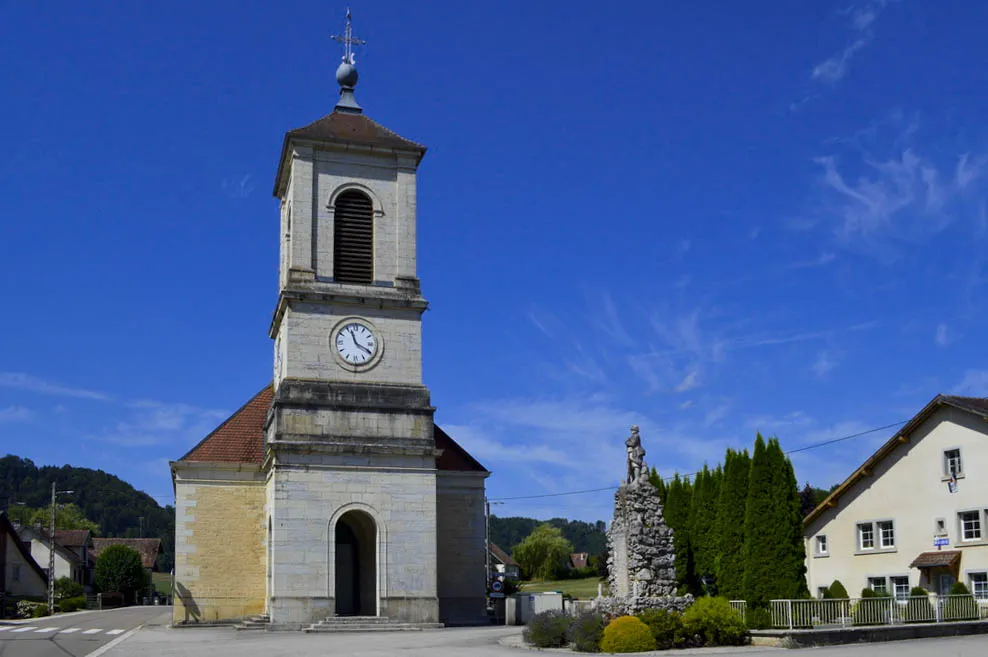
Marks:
<point>51,550</point>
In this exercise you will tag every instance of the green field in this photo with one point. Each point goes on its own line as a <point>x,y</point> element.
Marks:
<point>583,589</point>
<point>162,581</point>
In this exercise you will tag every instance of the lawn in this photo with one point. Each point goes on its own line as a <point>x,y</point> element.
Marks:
<point>162,583</point>
<point>583,589</point>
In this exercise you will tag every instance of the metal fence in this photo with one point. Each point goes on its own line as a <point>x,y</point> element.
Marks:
<point>809,614</point>
<point>740,606</point>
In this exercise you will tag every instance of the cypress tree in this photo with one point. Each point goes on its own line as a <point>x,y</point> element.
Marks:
<point>703,520</point>
<point>660,486</point>
<point>729,562</point>
<point>759,537</point>
<point>791,552</point>
<point>677,515</point>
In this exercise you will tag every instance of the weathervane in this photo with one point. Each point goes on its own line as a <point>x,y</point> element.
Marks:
<point>348,40</point>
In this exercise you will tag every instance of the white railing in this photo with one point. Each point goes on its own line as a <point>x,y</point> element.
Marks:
<point>740,606</point>
<point>809,614</point>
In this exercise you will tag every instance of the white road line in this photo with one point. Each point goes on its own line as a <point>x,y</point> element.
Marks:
<point>95,630</point>
<point>116,631</point>
<point>70,630</point>
<point>4,628</point>
<point>120,639</point>
<point>46,629</point>
<point>25,629</point>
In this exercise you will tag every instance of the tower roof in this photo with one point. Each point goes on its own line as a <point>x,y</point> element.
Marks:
<point>345,128</point>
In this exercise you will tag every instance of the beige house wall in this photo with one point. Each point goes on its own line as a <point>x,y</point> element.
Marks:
<point>20,576</point>
<point>908,487</point>
<point>220,542</point>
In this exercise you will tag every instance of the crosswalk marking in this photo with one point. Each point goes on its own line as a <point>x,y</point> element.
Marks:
<point>95,630</point>
<point>4,628</point>
<point>70,630</point>
<point>45,629</point>
<point>116,631</point>
<point>25,629</point>
<point>67,630</point>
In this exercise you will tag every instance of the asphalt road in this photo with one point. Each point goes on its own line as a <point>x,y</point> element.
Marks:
<point>74,635</point>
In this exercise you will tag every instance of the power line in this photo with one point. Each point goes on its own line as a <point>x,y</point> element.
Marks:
<point>824,443</point>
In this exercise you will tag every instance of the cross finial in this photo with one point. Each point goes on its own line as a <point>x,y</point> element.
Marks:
<point>348,40</point>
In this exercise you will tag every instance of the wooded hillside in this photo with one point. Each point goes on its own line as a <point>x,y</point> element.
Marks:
<point>110,502</point>
<point>585,536</point>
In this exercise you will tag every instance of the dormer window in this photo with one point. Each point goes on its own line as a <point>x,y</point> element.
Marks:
<point>353,238</point>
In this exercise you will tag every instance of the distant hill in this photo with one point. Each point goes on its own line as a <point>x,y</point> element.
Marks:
<point>112,503</point>
<point>585,536</point>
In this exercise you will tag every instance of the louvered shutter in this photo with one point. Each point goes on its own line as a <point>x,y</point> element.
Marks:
<point>353,239</point>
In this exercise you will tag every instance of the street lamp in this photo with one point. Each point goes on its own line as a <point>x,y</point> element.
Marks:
<point>51,550</point>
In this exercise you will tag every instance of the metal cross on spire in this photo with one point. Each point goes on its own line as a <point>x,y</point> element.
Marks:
<point>348,40</point>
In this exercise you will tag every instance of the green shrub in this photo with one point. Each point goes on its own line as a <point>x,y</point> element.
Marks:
<point>65,587</point>
<point>837,591</point>
<point>666,626</point>
<point>959,588</point>
<point>758,618</point>
<point>548,629</point>
<point>71,604</point>
<point>825,594</point>
<point>919,609</point>
<point>712,622</point>
<point>586,632</point>
<point>627,634</point>
<point>961,605</point>
<point>868,593</point>
<point>119,569</point>
<point>876,609</point>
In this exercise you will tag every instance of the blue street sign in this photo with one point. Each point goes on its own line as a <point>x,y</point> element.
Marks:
<point>938,542</point>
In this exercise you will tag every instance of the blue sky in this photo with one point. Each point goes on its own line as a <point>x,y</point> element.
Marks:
<point>705,218</point>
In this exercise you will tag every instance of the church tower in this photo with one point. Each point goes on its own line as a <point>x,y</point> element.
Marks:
<point>332,492</point>
<point>350,433</point>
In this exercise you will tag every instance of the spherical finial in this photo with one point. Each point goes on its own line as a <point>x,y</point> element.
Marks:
<point>346,75</point>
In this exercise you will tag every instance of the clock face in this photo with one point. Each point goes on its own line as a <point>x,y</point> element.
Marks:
<point>356,343</point>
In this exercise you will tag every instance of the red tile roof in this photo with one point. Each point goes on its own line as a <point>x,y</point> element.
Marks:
<point>71,538</point>
<point>934,559</point>
<point>240,439</point>
<point>355,129</point>
<point>580,559</point>
<point>502,556</point>
<point>148,548</point>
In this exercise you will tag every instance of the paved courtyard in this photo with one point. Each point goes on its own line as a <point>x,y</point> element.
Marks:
<point>471,642</point>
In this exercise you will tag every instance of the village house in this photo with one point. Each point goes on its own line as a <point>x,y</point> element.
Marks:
<point>20,574</point>
<point>71,552</point>
<point>503,564</point>
<point>914,514</point>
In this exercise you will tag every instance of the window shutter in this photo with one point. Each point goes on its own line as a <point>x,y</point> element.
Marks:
<point>353,239</point>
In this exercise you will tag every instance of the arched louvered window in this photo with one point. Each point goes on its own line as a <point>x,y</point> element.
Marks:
<point>353,238</point>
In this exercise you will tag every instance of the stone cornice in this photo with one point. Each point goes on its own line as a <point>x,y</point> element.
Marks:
<point>380,297</point>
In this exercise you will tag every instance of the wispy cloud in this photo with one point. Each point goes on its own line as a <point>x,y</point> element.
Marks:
<point>690,381</point>
<point>28,383</point>
<point>974,384</point>
<point>860,27</point>
<point>238,187</point>
<point>825,362</point>
<point>15,414</point>
<point>157,423</point>
<point>943,336</point>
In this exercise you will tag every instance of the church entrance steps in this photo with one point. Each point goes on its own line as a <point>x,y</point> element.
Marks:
<point>259,622</point>
<point>368,624</point>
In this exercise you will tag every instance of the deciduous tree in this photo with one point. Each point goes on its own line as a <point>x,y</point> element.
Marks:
<point>543,552</point>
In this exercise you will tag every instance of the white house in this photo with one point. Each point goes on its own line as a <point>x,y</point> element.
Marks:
<point>914,514</point>
<point>20,575</point>
<point>71,551</point>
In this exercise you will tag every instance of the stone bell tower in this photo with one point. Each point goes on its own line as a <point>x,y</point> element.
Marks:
<point>350,451</point>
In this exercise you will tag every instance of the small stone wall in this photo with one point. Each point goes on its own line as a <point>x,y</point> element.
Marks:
<point>631,606</point>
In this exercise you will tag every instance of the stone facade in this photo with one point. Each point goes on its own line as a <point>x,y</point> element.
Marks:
<point>461,531</point>
<point>220,543</point>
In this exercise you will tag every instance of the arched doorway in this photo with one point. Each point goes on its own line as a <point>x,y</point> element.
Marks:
<point>356,565</point>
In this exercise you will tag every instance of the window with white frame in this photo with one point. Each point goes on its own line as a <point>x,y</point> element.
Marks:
<point>886,534</point>
<point>866,536</point>
<point>900,587</point>
<point>952,463</point>
<point>878,585</point>
<point>970,525</point>
<point>821,544</point>
<point>979,585</point>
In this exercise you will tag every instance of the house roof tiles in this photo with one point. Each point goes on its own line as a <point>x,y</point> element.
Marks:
<point>502,556</point>
<point>935,559</point>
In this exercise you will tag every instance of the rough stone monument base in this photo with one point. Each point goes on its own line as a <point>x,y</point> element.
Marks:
<point>631,606</point>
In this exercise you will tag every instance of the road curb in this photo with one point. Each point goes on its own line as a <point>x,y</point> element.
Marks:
<point>120,639</point>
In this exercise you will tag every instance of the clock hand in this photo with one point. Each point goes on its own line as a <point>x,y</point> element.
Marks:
<point>356,344</point>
